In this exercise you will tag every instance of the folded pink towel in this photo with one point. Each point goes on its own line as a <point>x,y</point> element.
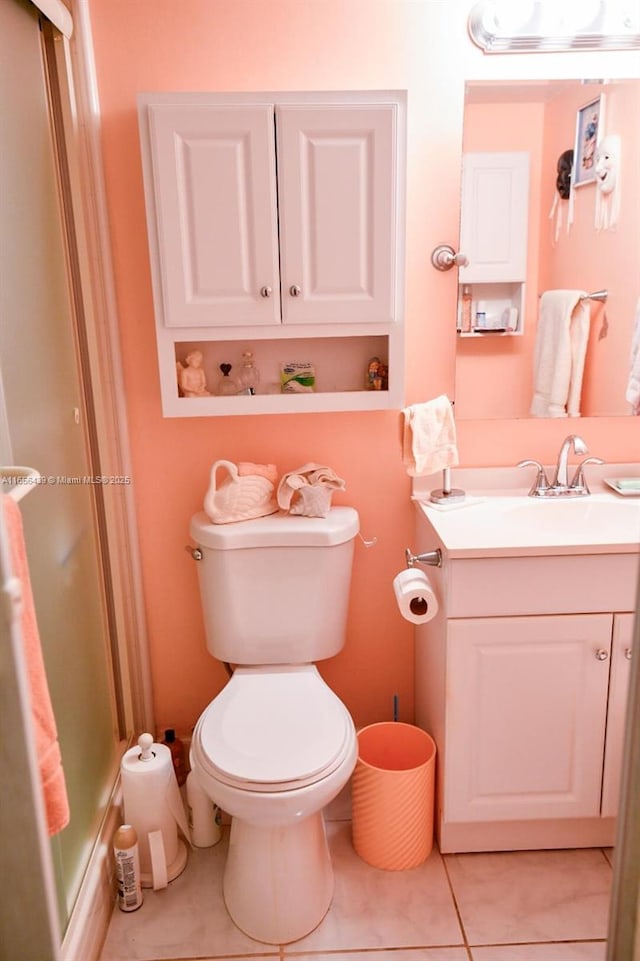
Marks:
<point>429,439</point>
<point>46,734</point>
<point>313,486</point>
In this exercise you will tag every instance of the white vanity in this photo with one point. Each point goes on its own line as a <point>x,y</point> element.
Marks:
<point>522,676</point>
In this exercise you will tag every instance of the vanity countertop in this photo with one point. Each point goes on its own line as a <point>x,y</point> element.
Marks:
<point>499,519</point>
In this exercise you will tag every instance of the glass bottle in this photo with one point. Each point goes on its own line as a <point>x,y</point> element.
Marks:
<point>465,325</point>
<point>176,747</point>
<point>226,385</point>
<point>248,377</point>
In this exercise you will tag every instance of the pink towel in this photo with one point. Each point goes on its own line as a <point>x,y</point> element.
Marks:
<point>46,735</point>
<point>429,437</point>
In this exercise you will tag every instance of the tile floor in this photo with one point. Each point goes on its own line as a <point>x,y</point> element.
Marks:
<point>511,906</point>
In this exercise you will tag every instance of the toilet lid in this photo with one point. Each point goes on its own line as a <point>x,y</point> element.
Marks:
<point>272,726</point>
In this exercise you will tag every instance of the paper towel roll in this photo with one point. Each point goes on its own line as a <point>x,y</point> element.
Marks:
<point>415,596</point>
<point>152,803</point>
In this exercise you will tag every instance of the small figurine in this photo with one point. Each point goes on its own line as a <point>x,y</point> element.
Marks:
<point>191,378</point>
<point>377,375</point>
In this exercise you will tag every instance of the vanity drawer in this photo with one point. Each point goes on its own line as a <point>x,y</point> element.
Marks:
<point>555,584</point>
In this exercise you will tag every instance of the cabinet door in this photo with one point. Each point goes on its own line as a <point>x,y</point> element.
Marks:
<point>337,175</point>
<point>525,716</point>
<point>212,202</point>
<point>494,217</point>
<point>617,712</point>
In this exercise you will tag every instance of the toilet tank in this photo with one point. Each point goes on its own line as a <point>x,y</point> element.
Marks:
<point>275,590</point>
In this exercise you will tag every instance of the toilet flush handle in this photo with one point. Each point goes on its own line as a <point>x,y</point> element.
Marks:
<point>196,552</point>
<point>371,543</point>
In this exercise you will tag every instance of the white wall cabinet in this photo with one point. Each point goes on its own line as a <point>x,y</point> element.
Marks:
<point>275,218</point>
<point>495,217</point>
<point>493,235</point>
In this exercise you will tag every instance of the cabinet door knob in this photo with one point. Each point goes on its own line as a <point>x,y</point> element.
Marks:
<point>294,290</point>
<point>265,291</point>
<point>602,655</point>
<point>627,653</point>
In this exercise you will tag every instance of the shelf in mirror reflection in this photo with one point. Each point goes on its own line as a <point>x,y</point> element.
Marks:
<point>539,117</point>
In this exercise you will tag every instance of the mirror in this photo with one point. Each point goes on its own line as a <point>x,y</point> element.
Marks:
<point>498,368</point>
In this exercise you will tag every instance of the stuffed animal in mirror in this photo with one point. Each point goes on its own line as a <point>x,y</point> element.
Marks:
<point>607,171</point>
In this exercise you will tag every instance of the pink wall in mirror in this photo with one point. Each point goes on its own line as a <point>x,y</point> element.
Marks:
<point>494,376</point>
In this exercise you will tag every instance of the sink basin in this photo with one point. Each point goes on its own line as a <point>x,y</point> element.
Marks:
<point>573,515</point>
<point>514,525</point>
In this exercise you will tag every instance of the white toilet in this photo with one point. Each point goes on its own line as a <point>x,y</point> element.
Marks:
<point>276,745</point>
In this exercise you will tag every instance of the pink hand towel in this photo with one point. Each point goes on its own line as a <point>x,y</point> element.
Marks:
<point>46,734</point>
<point>313,486</point>
<point>429,439</point>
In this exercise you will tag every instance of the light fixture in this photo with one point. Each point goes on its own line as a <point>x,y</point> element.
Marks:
<point>505,26</point>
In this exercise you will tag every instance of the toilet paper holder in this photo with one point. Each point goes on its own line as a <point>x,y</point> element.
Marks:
<point>430,558</point>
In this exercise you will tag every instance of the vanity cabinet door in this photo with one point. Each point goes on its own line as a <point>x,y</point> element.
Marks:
<point>616,715</point>
<point>525,718</point>
<point>495,215</point>
<point>212,212</point>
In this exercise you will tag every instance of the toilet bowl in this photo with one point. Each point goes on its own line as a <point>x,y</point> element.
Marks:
<point>276,745</point>
<point>272,750</point>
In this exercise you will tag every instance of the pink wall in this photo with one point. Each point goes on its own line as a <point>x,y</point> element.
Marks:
<point>293,45</point>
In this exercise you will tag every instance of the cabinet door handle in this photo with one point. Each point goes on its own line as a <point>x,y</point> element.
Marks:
<point>602,655</point>
<point>294,290</point>
<point>265,291</point>
<point>627,653</point>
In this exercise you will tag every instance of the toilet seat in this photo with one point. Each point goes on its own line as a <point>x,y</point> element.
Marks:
<point>273,729</point>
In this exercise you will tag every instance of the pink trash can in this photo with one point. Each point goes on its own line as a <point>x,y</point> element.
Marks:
<point>392,795</point>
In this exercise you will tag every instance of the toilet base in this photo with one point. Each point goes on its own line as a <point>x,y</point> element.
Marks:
<point>278,881</point>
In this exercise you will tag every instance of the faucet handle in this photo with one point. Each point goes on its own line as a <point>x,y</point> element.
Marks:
<point>579,481</point>
<point>541,482</point>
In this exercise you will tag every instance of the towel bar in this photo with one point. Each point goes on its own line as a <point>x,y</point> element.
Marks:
<point>431,558</point>
<point>447,493</point>
<point>600,295</point>
<point>596,295</point>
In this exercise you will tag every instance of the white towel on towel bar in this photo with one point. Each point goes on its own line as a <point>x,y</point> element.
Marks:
<point>560,350</point>
<point>633,386</point>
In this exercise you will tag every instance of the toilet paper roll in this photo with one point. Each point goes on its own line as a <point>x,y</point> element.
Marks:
<point>153,805</point>
<point>415,596</point>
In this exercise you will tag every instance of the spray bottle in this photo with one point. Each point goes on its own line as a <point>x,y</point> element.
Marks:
<point>125,849</point>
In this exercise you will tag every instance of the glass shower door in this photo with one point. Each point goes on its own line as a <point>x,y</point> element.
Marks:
<point>43,424</point>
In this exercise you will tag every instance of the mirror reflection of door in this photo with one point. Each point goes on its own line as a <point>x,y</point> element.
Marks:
<point>565,249</point>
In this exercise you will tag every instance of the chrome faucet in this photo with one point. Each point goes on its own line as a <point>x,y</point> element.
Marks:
<point>561,478</point>
<point>560,486</point>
